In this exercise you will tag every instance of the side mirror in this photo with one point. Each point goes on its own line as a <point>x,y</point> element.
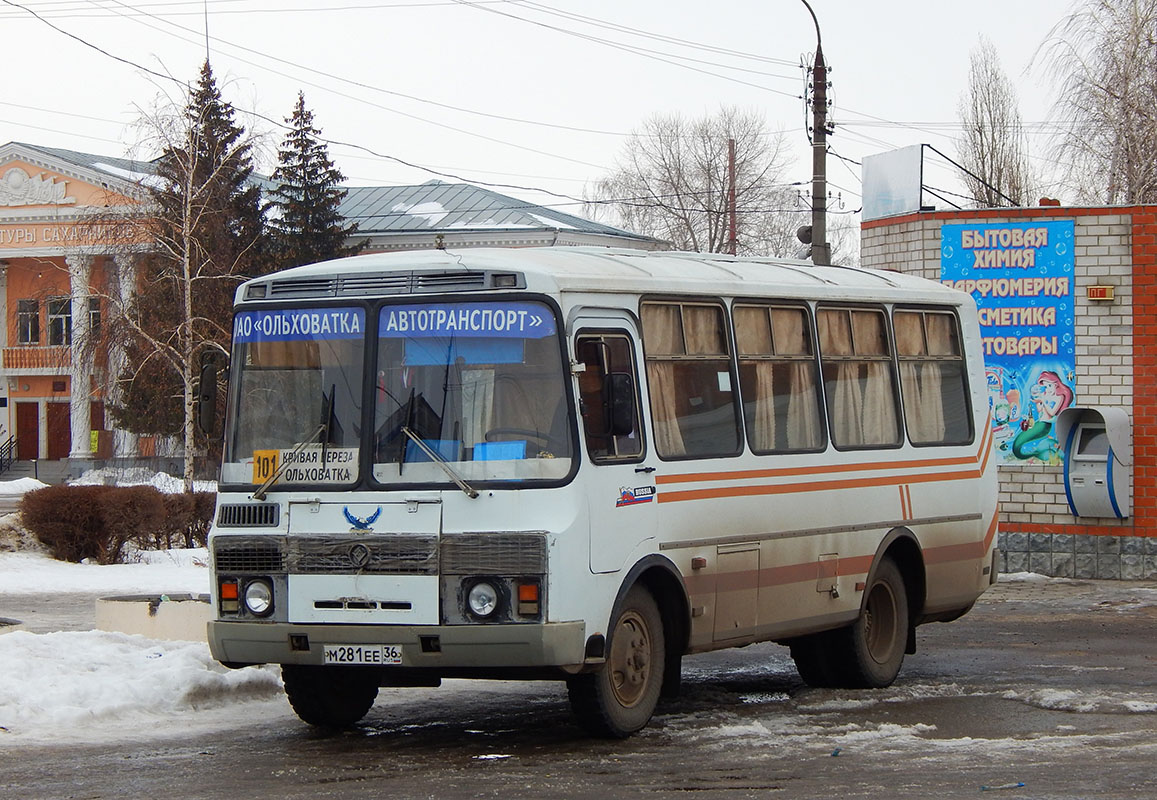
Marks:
<point>620,393</point>
<point>206,399</point>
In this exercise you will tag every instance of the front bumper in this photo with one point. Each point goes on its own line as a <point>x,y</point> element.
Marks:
<point>454,648</point>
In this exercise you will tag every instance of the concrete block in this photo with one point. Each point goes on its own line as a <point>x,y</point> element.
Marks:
<point>1063,543</point>
<point>1108,544</point>
<point>1132,567</point>
<point>1017,561</point>
<point>1109,566</point>
<point>1085,566</point>
<point>1150,569</point>
<point>1064,565</point>
<point>1017,543</point>
<point>182,617</point>
<point>1040,563</point>
<point>1132,546</point>
<point>1084,543</point>
<point>1040,543</point>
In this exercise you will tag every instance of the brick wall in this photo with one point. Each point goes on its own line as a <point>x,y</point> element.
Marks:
<point>1116,365</point>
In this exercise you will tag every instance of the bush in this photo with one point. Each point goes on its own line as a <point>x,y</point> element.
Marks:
<point>97,522</point>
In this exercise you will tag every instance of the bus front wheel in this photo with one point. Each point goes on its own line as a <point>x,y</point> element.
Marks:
<point>330,697</point>
<point>620,698</point>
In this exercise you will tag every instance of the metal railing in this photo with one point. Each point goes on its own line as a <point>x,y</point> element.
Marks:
<point>7,454</point>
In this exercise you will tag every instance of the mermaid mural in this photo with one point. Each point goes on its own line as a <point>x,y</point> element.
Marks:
<point>1050,396</point>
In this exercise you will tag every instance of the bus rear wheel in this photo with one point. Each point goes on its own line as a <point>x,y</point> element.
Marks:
<point>620,698</point>
<point>869,653</point>
<point>330,697</point>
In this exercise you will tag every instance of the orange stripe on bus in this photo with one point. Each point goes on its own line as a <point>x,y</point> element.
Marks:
<point>787,472</point>
<point>812,486</point>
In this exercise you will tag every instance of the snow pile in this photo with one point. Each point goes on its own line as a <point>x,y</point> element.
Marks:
<point>156,571</point>
<point>139,476</point>
<point>20,487</point>
<point>62,684</point>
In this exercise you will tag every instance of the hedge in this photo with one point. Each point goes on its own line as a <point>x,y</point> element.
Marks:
<point>97,522</point>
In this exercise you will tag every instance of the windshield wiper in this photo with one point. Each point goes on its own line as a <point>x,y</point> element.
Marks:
<point>322,432</point>
<point>436,457</point>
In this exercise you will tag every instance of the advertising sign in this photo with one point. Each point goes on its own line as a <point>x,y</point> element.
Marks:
<point>1021,276</point>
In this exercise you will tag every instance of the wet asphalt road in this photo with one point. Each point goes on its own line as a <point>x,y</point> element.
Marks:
<point>1046,683</point>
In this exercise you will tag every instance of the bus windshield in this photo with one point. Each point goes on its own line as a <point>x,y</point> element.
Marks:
<point>298,384</point>
<point>478,385</point>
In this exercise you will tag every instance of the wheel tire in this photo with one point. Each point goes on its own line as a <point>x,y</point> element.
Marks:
<point>621,696</point>
<point>870,652</point>
<point>815,658</point>
<point>330,697</point>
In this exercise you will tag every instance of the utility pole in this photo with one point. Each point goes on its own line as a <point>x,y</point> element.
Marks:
<point>821,250</point>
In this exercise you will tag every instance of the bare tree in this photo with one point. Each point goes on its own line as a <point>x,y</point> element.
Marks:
<point>1103,58</point>
<point>993,147</point>
<point>199,236</point>
<point>671,182</point>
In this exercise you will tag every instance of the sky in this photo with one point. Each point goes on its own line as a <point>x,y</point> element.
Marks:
<point>536,96</point>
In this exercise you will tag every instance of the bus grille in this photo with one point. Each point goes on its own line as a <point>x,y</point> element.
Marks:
<point>494,554</point>
<point>249,554</point>
<point>248,515</point>
<point>403,554</point>
<point>399,555</point>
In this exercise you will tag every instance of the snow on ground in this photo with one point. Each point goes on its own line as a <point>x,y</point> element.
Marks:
<point>138,476</point>
<point>171,571</point>
<point>20,486</point>
<point>94,685</point>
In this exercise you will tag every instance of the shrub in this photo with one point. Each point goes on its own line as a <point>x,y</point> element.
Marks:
<point>68,521</point>
<point>96,522</point>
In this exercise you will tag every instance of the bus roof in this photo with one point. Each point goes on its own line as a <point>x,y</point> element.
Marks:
<point>590,269</point>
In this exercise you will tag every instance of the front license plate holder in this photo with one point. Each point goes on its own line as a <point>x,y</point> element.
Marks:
<point>361,655</point>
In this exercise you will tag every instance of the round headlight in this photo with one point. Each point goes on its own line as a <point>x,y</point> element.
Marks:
<point>259,598</point>
<point>482,599</point>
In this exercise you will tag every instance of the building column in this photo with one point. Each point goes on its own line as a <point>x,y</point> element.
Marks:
<point>122,283</point>
<point>80,400</point>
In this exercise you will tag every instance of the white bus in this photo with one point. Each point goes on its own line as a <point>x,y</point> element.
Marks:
<point>583,464</point>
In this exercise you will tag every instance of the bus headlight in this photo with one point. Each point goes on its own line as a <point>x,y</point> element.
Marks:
<point>482,599</point>
<point>259,598</point>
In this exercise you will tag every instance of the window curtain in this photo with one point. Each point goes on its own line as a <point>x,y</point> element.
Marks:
<point>922,381</point>
<point>878,417</point>
<point>789,330</point>
<point>753,338</point>
<point>662,333</point>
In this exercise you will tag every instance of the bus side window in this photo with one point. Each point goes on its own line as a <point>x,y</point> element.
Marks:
<point>609,397</point>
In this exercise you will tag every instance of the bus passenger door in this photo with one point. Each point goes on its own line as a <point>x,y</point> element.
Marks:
<point>619,483</point>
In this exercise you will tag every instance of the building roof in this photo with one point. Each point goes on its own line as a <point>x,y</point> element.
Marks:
<point>124,169</point>
<point>405,216</point>
<point>444,207</point>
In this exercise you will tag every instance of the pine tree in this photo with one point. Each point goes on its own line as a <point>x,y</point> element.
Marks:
<point>305,222</point>
<point>205,237</point>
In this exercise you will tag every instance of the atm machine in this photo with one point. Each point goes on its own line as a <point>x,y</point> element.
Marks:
<point>1097,442</point>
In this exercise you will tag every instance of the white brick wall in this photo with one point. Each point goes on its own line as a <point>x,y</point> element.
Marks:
<point>1104,342</point>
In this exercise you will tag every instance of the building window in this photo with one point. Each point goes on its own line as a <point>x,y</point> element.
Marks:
<point>94,317</point>
<point>28,321</point>
<point>59,321</point>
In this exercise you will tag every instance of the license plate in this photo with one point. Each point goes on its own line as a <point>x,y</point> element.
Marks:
<point>361,654</point>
